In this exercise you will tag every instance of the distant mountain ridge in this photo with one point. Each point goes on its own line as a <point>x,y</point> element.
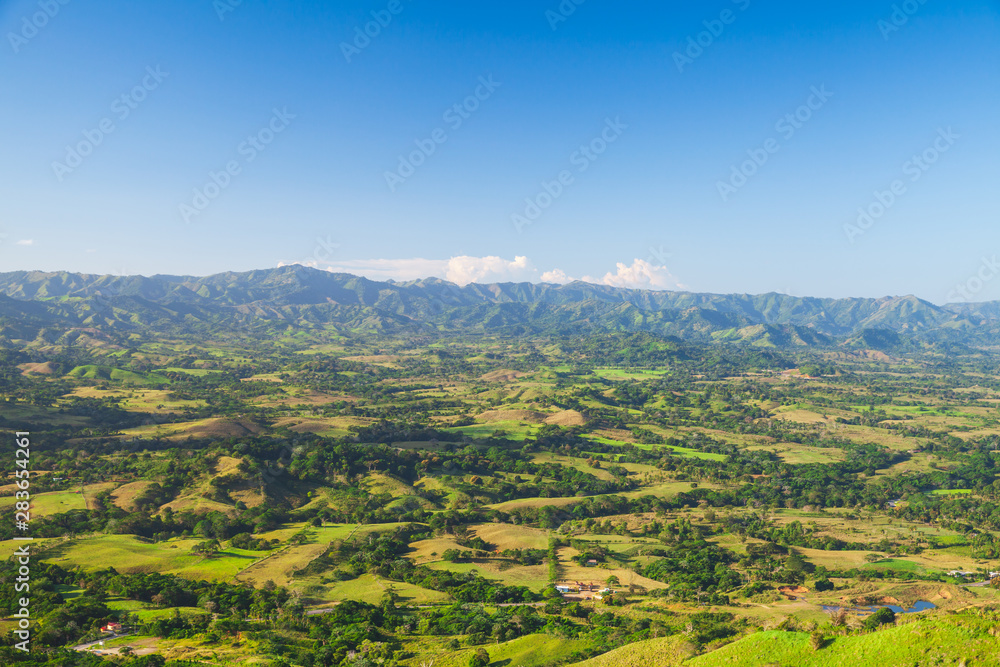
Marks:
<point>301,296</point>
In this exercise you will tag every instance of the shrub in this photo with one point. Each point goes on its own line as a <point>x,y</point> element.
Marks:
<point>883,616</point>
<point>823,585</point>
<point>480,658</point>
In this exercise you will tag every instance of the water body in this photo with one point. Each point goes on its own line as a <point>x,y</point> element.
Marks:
<point>919,606</point>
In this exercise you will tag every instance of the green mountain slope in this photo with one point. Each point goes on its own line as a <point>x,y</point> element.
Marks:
<point>301,296</point>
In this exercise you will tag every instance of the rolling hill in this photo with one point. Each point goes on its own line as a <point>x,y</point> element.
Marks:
<point>33,302</point>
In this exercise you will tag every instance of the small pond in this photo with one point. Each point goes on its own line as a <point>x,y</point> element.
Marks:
<point>919,606</point>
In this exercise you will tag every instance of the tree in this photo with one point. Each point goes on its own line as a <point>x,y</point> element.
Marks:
<point>612,581</point>
<point>796,563</point>
<point>480,658</point>
<point>884,616</point>
<point>823,585</point>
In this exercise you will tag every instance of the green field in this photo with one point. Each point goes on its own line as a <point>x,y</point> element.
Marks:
<point>129,554</point>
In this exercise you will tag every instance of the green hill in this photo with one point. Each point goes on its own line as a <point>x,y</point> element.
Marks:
<point>941,640</point>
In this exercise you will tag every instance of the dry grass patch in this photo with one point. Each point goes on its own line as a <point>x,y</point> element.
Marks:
<point>506,536</point>
<point>566,418</point>
<point>429,551</point>
<point>124,496</point>
<point>528,416</point>
<point>502,375</point>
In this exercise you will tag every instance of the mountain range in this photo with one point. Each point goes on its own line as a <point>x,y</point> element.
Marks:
<point>294,296</point>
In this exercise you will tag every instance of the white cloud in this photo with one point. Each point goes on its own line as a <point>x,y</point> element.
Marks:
<point>464,269</point>
<point>557,276</point>
<point>641,275</point>
<point>461,270</point>
<point>26,242</point>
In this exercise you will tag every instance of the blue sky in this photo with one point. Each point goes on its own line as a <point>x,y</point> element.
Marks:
<point>311,133</point>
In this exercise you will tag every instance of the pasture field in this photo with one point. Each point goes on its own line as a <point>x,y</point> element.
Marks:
<point>663,652</point>
<point>129,554</point>
<point>530,651</point>
<point>371,589</point>
<point>941,641</point>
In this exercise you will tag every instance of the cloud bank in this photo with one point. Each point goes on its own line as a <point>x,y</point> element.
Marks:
<point>465,269</point>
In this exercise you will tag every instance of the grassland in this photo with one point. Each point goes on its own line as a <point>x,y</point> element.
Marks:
<point>130,554</point>
<point>938,641</point>
<point>530,651</point>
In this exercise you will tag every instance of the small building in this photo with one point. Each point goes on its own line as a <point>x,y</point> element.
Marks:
<point>112,628</point>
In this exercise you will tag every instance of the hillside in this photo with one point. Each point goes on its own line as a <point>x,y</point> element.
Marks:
<point>304,297</point>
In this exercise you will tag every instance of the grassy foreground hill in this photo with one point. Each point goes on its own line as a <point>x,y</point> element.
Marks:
<point>963,639</point>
